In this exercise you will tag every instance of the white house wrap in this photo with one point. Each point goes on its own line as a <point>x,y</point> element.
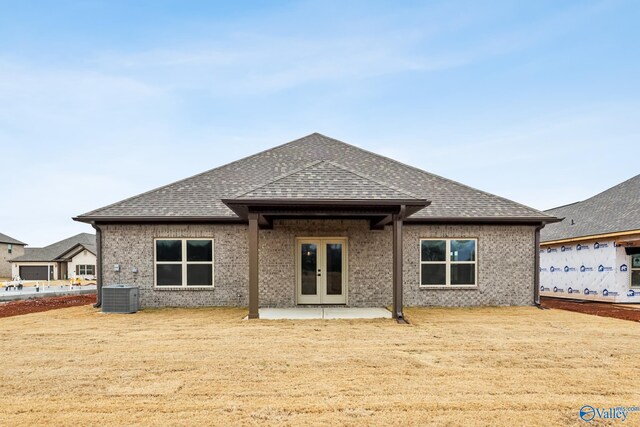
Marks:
<point>594,254</point>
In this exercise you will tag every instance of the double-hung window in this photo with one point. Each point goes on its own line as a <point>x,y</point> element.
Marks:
<point>9,248</point>
<point>183,262</point>
<point>448,262</point>
<point>635,271</point>
<point>86,270</point>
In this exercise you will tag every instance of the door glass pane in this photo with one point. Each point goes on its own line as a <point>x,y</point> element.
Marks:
<point>199,250</point>
<point>308,268</point>
<point>199,275</point>
<point>434,274</point>
<point>463,274</point>
<point>463,250</point>
<point>334,269</point>
<point>433,250</point>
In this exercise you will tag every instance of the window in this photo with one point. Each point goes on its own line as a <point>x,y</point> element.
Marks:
<point>9,248</point>
<point>184,262</point>
<point>635,271</point>
<point>448,262</point>
<point>85,270</point>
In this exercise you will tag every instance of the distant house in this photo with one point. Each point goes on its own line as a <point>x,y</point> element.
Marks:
<point>594,254</point>
<point>68,258</point>
<point>319,221</point>
<point>9,248</point>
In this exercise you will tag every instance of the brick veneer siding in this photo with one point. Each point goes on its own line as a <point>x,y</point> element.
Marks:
<point>5,257</point>
<point>505,266</point>
<point>368,258</point>
<point>505,263</point>
<point>132,246</point>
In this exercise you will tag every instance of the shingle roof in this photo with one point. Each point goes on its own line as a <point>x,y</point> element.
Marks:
<point>614,210</point>
<point>323,179</point>
<point>56,250</point>
<point>7,239</point>
<point>201,195</point>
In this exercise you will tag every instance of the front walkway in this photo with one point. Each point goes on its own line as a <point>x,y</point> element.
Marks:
<point>297,313</point>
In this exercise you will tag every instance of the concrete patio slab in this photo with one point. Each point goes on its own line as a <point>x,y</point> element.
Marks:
<point>298,313</point>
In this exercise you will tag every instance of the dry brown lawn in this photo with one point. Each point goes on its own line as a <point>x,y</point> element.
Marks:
<point>480,366</point>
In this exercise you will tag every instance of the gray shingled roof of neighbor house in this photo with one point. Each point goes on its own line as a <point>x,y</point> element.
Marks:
<point>280,173</point>
<point>56,250</point>
<point>7,239</point>
<point>614,210</point>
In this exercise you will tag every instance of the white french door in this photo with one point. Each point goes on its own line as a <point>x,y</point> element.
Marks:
<point>321,270</point>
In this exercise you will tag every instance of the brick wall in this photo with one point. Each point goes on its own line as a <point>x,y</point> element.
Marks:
<point>505,266</point>
<point>132,246</point>
<point>369,261</point>
<point>505,263</point>
<point>5,256</point>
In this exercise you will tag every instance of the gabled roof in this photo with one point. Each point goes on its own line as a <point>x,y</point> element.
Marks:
<point>7,239</point>
<point>56,250</point>
<point>614,210</point>
<point>323,179</point>
<point>201,196</point>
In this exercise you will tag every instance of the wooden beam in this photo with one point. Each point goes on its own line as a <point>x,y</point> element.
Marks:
<point>264,222</point>
<point>253,266</point>
<point>397,219</point>
<point>379,223</point>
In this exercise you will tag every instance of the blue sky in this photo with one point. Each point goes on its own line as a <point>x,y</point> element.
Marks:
<point>100,100</point>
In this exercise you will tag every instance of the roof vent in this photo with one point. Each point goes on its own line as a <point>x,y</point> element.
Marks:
<point>119,299</point>
<point>573,222</point>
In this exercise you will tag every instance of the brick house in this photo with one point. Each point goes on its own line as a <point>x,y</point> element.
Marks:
<point>319,221</point>
<point>73,257</point>
<point>9,248</point>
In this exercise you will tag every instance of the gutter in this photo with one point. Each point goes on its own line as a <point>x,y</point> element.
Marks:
<point>98,303</point>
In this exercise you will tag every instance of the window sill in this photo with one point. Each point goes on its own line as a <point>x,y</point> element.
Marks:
<point>183,288</point>
<point>448,287</point>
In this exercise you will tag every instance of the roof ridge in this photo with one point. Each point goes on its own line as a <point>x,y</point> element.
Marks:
<point>436,175</point>
<point>277,147</point>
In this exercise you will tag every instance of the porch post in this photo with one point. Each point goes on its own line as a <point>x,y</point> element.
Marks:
<point>253,266</point>
<point>397,265</point>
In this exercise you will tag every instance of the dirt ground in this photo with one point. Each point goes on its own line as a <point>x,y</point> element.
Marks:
<point>473,366</point>
<point>617,311</point>
<point>15,308</point>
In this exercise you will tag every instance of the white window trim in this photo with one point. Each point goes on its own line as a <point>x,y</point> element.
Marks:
<point>80,266</point>
<point>184,264</point>
<point>448,263</point>
<point>631,270</point>
<point>9,248</point>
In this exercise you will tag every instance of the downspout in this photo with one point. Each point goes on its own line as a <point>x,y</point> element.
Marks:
<point>98,303</point>
<point>536,273</point>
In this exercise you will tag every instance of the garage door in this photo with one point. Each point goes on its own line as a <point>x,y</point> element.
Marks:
<point>33,272</point>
